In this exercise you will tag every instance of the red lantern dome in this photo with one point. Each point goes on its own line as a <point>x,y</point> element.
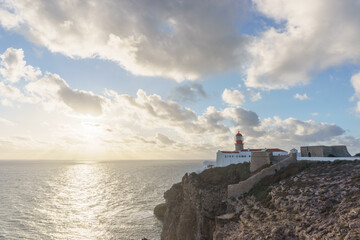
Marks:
<point>239,145</point>
<point>239,138</point>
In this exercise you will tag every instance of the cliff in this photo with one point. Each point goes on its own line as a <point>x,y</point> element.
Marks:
<point>306,200</point>
<point>193,204</point>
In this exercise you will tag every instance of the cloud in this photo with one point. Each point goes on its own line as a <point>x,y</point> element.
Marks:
<point>309,37</point>
<point>291,132</point>
<point>53,90</point>
<point>187,93</point>
<point>179,40</point>
<point>301,97</point>
<point>254,96</point>
<point>164,139</point>
<point>10,93</point>
<point>13,66</point>
<point>242,117</point>
<point>233,97</point>
<point>49,89</point>
<point>6,122</point>
<point>155,106</point>
<point>155,112</point>
<point>216,127</point>
<point>355,81</point>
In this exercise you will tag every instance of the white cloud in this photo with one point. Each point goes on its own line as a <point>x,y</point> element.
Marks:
<point>50,89</point>
<point>301,97</point>
<point>357,106</point>
<point>9,92</point>
<point>179,40</point>
<point>315,114</point>
<point>6,103</point>
<point>4,121</point>
<point>291,132</point>
<point>55,93</point>
<point>311,36</point>
<point>355,81</point>
<point>233,97</point>
<point>254,96</point>
<point>13,66</point>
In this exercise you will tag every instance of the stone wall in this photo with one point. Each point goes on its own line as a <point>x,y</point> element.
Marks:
<point>276,159</point>
<point>236,190</point>
<point>324,151</point>
<point>259,159</point>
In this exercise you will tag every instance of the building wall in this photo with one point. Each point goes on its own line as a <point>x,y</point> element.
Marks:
<point>236,190</point>
<point>324,151</point>
<point>225,159</point>
<point>259,159</point>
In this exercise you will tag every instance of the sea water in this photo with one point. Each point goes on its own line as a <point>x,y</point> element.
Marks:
<point>85,199</point>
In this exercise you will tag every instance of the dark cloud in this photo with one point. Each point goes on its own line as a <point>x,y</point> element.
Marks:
<point>187,93</point>
<point>81,101</point>
<point>164,139</point>
<point>242,117</point>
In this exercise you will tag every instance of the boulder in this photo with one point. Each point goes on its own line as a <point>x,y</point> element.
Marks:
<point>159,210</point>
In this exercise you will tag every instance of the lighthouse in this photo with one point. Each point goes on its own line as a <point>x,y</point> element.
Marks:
<point>239,145</point>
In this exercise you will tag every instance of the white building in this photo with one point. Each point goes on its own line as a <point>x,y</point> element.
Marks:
<point>240,155</point>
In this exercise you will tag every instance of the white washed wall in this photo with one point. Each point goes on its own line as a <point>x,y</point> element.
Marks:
<point>328,158</point>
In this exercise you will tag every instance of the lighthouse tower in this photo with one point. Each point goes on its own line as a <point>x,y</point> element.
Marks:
<point>239,145</point>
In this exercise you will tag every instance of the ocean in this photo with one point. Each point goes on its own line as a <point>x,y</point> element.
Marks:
<point>85,199</point>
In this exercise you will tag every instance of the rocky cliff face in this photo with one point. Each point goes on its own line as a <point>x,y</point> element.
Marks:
<point>320,202</point>
<point>193,204</point>
<point>303,201</point>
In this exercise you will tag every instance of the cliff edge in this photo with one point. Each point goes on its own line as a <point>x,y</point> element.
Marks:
<point>194,203</point>
<point>305,200</point>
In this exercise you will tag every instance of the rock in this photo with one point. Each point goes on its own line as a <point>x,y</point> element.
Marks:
<point>321,201</point>
<point>159,210</point>
<point>194,203</point>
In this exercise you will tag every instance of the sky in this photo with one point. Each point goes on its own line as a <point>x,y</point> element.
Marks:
<point>113,80</point>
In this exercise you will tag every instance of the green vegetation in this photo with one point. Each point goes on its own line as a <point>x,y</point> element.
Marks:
<point>357,155</point>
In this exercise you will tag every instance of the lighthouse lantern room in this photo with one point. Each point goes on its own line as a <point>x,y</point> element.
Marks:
<point>239,145</point>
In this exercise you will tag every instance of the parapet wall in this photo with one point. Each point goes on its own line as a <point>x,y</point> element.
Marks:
<point>324,151</point>
<point>276,159</point>
<point>236,190</point>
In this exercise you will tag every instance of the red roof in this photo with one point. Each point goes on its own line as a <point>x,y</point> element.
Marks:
<point>238,134</point>
<point>267,150</point>
<point>256,150</point>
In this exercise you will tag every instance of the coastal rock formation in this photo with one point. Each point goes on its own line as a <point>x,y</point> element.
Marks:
<point>321,202</point>
<point>159,210</point>
<point>306,200</point>
<point>193,204</point>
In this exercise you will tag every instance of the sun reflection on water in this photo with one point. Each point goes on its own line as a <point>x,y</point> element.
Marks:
<point>78,195</point>
<point>84,200</point>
